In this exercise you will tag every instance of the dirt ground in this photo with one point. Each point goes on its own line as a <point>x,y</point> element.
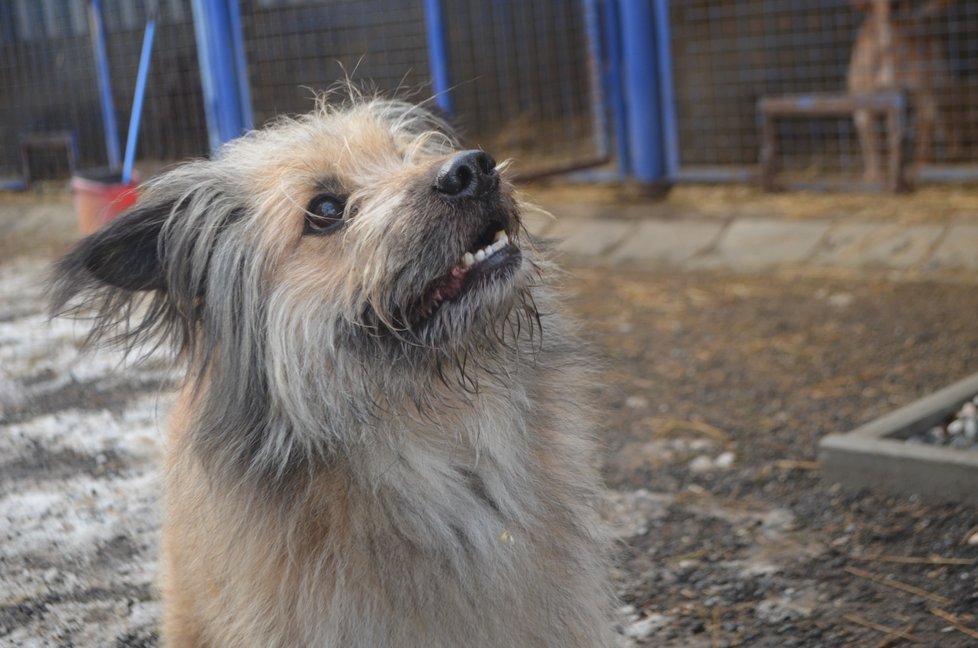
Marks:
<point>717,388</point>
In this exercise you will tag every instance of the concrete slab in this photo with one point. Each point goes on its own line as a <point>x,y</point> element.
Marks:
<point>668,241</point>
<point>875,455</point>
<point>756,243</point>
<point>587,237</point>
<point>957,251</point>
<point>878,245</point>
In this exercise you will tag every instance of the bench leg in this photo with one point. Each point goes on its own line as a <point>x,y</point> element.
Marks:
<point>896,179</point>
<point>769,164</point>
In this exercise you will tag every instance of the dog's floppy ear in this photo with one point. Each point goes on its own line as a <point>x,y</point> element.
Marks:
<point>124,253</point>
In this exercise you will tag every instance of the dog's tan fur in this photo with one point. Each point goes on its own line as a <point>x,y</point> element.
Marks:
<point>336,475</point>
<point>893,51</point>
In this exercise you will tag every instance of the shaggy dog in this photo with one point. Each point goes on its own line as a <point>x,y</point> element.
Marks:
<point>383,436</point>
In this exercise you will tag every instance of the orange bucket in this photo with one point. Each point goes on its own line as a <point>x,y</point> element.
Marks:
<point>100,196</point>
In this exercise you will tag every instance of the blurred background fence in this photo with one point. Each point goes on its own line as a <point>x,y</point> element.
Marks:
<point>555,84</point>
<point>728,54</point>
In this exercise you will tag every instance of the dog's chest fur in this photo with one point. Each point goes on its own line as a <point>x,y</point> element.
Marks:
<point>431,533</point>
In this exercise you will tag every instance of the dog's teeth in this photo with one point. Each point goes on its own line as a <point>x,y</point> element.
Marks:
<point>501,236</point>
<point>468,259</point>
<point>480,256</point>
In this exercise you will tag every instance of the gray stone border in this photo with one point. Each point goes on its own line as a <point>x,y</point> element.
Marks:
<point>874,456</point>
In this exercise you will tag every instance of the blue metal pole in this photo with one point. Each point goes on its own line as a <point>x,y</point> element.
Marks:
<point>438,55</point>
<point>616,96</point>
<point>223,70</point>
<point>137,101</point>
<point>96,26</point>
<point>667,89</point>
<point>237,41</point>
<point>641,84</point>
<point>599,104</point>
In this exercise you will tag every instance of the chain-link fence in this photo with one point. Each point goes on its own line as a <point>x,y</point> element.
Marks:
<point>48,82</point>
<point>296,49</point>
<point>525,81</point>
<point>524,73</point>
<point>728,54</point>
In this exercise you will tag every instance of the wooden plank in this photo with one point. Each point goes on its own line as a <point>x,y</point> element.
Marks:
<point>829,105</point>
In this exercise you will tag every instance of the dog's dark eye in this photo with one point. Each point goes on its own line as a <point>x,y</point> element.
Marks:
<point>324,215</point>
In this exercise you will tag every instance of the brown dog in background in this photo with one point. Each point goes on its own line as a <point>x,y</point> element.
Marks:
<point>383,439</point>
<point>893,51</point>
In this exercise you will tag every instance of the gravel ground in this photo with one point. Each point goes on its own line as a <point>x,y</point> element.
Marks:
<point>717,389</point>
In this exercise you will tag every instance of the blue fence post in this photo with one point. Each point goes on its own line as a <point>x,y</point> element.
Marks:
<point>223,70</point>
<point>96,26</point>
<point>667,90</point>
<point>135,116</point>
<point>438,55</point>
<point>640,78</point>
<point>598,87</point>
<point>613,85</point>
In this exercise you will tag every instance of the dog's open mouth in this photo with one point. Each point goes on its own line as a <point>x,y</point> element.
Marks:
<point>492,253</point>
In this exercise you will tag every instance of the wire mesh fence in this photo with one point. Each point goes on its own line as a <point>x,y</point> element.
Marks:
<point>524,76</point>
<point>525,81</point>
<point>296,49</point>
<point>48,81</point>
<point>729,54</point>
<point>521,77</point>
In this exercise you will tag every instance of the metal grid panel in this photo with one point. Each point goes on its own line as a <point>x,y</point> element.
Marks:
<point>173,126</point>
<point>524,82</point>
<point>48,80</point>
<point>728,54</point>
<point>295,48</point>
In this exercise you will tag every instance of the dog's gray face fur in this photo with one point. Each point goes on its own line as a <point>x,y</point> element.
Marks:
<point>316,273</point>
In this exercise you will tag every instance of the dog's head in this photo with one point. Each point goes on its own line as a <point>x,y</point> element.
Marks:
<point>353,242</point>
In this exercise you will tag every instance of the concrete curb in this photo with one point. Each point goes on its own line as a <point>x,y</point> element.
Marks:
<point>875,455</point>
<point>753,243</point>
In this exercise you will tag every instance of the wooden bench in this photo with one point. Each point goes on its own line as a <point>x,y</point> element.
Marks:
<point>890,105</point>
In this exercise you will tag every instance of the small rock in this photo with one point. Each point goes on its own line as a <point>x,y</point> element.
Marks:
<point>687,565</point>
<point>645,628</point>
<point>972,540</point>
<point>955,427</point>
<point>701,464</point>
<point>780,610</point>
<point>725,460</point>
<point>636,402</point>
<point>971,428</point>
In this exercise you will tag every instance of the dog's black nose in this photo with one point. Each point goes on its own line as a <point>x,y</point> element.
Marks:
<point>468,174</point>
